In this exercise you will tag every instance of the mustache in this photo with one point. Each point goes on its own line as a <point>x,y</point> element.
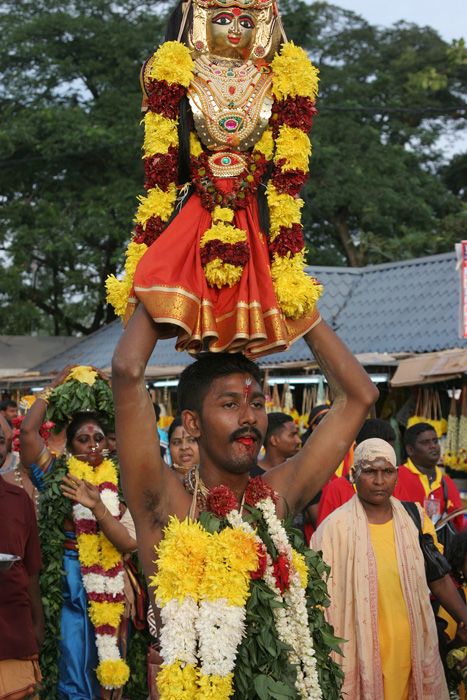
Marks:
<point>246,431</point>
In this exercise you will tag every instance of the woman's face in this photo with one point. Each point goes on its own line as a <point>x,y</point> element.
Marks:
<point>88,443</point>
<point>183,448</point>
<point>230,33</point>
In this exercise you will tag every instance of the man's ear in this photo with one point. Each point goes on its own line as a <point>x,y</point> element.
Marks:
<point>192,423</point>
<point>273,440</point>
<point>409,450</point>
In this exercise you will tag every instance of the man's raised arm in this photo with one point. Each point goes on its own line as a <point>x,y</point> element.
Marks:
<point>300,478</point>
<point>141,465</point>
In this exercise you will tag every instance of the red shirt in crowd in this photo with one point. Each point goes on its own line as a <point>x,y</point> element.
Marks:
<point>18,535</point>
<point>419,489</point>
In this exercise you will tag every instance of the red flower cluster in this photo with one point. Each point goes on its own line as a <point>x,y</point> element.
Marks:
<point>105,629</point>
<point>290,181</point>
<point>154,228</point>
<point>281,572</point>
<point>106,597</point>
<point>233,253</point>
<point>220,501</point>
<point>257,490</point>
<point>44,432</point>
<point>262,561</point>
<point>298,112</point>
<point>289,239</point>
<point>85,526</point>
<point>164,98</point>
<point>161,170</point>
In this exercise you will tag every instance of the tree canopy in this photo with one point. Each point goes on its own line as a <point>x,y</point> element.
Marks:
<point>70,147</point>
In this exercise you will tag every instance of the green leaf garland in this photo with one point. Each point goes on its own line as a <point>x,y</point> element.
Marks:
<point>73,396</point>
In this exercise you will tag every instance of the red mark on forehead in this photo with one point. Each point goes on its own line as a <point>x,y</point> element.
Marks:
<point>236,11</point>
<point>247,389</point>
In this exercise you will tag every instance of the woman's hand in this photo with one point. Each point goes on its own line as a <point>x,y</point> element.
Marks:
<point>81,491</point>
<point>61,376</point>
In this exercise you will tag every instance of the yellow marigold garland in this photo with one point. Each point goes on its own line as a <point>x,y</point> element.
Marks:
<point>293,74</point>
<point>295,87</point>
<point>296,292</point>
<point>172,63</point>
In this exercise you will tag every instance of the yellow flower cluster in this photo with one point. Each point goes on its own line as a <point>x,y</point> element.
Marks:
<point>105,613</point>
<point>172,62</point>
<point>113,673</point>
<point>298,560</point>
<point>106,471</point>
<point>293,145</point>
<point>296,293</point>
<point>266,144</point>
<point>293,74</point>
<point>177,683</point>
<point>84,374</point>
<point>157,203</point>
<point>159,134</point>
<point>284,210</point>
<point>231,556</point>
<point>181,557</point>
<point>191,561</point>
<point>222,214</point>
<point>195,144</point>
<point>118,291</point>
<point>215,687</point>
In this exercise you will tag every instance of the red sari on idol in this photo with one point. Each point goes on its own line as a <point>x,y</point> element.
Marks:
<point>170,282</point>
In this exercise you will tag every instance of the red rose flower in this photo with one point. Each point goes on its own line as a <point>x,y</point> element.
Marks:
<point>258,490</point>
<point>221,501</point>
<point>236,254</point>
<point>164,98</point>
<point>262,561</point>
<point>290,181</point>
<point>281,572</point>
<point>161,169</point>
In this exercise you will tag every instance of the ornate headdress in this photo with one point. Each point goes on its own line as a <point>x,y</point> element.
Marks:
<point>268,35</point>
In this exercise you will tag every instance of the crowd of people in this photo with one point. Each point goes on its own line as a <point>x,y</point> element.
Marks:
<point>396,624</point>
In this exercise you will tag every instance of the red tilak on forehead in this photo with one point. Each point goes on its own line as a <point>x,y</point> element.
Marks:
<point>236,11</point>
<point>247,389</point>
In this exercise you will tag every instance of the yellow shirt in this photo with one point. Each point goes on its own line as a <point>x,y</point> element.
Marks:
<point>393,621</point>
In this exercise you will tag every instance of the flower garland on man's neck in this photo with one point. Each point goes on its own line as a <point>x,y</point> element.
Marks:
<point>208,572</point>
<point>224,247</point>
<point>102,570</point>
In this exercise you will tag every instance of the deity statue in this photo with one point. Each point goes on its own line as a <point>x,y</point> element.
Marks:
<point>217,254</point>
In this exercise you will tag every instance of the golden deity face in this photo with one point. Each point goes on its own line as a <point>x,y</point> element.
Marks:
<point>230,32</point>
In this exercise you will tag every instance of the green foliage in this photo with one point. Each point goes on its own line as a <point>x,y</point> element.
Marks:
<point>375,192</point>
<point>70,144</point>
<point>53,509</point>
<point>72,396</point>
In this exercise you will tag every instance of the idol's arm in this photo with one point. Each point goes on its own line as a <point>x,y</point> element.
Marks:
<point>353,393</point>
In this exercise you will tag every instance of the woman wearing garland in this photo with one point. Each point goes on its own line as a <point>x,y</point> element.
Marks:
<point>92,591</point>
<point>217,251</point>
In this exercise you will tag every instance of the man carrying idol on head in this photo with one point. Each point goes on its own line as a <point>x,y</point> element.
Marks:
<point>217,261</point>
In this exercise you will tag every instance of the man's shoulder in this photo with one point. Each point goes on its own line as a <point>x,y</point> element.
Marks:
<point>13,490</point>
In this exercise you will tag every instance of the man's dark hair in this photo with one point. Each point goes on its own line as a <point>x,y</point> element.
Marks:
<point>157,410</point>
<point>276,422</point>
<point>196,379</point>
<point>456,555</point>
<point>77,421</point>
<point>376,428</point>
<point>8,403</point>
<point>412,433</point>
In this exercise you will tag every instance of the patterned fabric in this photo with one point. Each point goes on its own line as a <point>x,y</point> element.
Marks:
<point>346,543</point>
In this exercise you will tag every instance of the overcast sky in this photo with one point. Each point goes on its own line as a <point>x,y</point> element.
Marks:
<point>448,17</point>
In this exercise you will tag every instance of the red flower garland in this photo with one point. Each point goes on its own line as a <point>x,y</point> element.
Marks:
<point>220,501</point>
